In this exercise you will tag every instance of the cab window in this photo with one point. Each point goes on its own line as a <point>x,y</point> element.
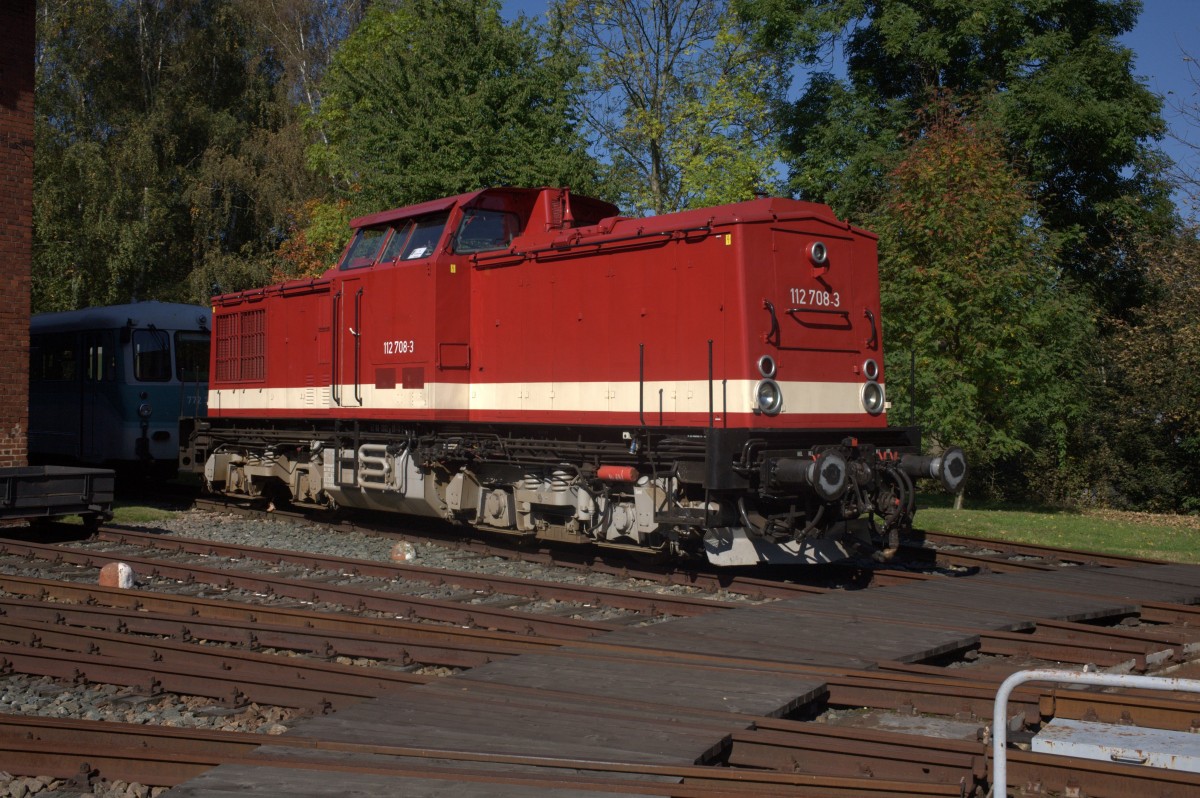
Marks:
<point>415,239</point>
<point>482,230</point>
<point>191,356</point>
<point>395,245</point>
<point>52,357</point>
<point>363,249</point>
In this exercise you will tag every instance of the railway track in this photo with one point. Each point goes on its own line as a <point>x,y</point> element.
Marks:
<point>242,628</point>
<point>78,751</point>
<point>573,557</point>
<point>935,555</point>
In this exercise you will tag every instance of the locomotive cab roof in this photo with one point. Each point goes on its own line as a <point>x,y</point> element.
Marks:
<point>557,207</point>
<point>480,221</point>
<point>542,217</point>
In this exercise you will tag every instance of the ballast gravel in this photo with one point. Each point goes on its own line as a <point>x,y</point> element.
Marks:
<point>280,533</point>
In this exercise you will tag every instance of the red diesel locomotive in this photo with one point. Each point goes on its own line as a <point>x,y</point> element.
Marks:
<point>529,362</point>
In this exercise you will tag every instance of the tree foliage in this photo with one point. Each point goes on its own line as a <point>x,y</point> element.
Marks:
<point>1155,420</point>
<point>679,97</point>
<point>970,288</point>
<point>429,98</point>
<point>301,36</point>
<point>167,155</point>
<point>1049,74</point>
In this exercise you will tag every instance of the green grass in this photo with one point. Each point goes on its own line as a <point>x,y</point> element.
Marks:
<point>131,514</point>
<point>1162,537</point>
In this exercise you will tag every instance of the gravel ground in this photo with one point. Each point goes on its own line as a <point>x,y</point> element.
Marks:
<point>44,697</point>
<point>301,536</point>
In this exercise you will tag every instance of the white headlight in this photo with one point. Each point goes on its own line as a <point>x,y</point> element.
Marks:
<point>818,253</point>
<point>872,398</point>
<point>144,410</point>
<point>768,397</point>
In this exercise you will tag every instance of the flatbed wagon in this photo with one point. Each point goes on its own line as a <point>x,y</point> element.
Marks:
<point>43,492</point>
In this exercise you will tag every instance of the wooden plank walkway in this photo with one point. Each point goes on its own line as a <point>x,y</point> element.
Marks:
<point>628,702</point>
<point>237,781</point>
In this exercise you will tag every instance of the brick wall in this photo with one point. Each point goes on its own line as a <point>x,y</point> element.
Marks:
<point>16,223</point>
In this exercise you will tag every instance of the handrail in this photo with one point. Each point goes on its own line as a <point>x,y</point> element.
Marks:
<point>356,331</point>
<point>569,246</point>
<point>1000,710</point>
<point>335,333</point>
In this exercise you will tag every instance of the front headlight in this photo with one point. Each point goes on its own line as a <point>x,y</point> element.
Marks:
<point>872,398</point>
<point>768,397</point>
<point>145,410</point>
<point>818,253</point>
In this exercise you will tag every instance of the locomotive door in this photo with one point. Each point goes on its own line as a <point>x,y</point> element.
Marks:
<point>347,331</point>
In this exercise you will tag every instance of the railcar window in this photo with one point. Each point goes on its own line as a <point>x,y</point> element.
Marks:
<point>151,356</point>
<point>52,357</point>
<point>101,356</point>
<point>482,230</point>
<point>191,356</point>
<point>363,249</point>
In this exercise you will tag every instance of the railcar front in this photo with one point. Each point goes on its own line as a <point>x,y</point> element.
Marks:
<point>108,385</point>
<point>532,363</point>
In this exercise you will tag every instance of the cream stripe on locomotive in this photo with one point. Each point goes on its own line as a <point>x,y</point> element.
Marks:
<point>734,396</point>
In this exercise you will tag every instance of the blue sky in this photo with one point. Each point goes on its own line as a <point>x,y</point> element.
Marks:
<point>1167,36</point>
<point>1167,31</point>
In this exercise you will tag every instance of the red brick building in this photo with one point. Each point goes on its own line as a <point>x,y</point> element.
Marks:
<point>16,223</point>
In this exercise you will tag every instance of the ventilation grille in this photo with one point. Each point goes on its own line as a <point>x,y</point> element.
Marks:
<point>242,346</point>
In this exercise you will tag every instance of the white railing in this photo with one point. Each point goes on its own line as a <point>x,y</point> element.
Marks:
<point>1000,711</point>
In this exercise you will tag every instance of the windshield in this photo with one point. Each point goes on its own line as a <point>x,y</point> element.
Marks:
<point>482,230</point>
<point>415,239</point>
<point>151,356</point>
<point>364,248</point>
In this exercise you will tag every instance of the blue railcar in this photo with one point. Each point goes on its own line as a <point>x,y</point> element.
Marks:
<point>108,385</point>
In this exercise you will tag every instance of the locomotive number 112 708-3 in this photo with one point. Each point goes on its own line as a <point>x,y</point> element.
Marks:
<point>398,347</point>
<point>816,297</point>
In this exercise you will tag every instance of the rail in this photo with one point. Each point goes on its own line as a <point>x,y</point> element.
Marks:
<point>1000,711</point>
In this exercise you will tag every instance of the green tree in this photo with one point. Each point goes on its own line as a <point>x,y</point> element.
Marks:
<point>302,36</point>
<point>970,288</point>
<point>1153,413</point>
<point>168,152</point>
<point>1050,75</point>
<point>427,99</point>
<point>680,99</point>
